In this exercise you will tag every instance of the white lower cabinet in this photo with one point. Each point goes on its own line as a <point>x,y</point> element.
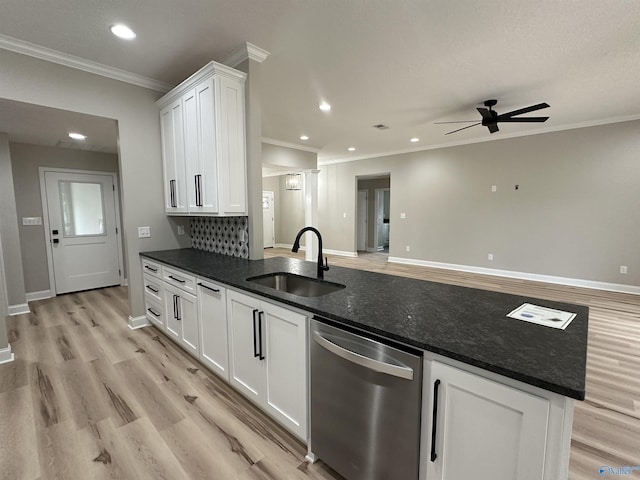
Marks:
<point>481,429</point>
<point>212,310</point>
<point>181,310</point>
<point>268,358</point>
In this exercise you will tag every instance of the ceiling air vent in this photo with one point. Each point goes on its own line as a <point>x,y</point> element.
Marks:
<point>381,126</point>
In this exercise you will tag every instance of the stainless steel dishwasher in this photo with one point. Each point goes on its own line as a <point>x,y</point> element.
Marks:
<point>365,404</point>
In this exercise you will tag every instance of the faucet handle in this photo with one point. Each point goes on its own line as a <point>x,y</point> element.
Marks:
<point>325,267</point>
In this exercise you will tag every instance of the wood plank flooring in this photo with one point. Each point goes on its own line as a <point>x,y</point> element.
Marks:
<point>88,398</point>
<point>606,427</point>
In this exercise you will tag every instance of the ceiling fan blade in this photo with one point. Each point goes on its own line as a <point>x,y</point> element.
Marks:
<point>493,128</point>
<point>463,128</point>
<point>520,111</point>
<point>523,119</point>
<point>458,121</point>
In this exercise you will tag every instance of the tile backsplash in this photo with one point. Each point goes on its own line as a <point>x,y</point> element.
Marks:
<point>225,235</point>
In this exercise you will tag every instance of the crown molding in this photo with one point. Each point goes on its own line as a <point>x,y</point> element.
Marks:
<point>295,146</point>
<point>245,52</point>
<point>560,128</point>
<point>54,56</point>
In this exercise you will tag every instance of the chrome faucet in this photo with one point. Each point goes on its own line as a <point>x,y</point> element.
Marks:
<point>322,267</point>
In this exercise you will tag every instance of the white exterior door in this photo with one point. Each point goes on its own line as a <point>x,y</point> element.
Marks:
<point>362,220</point>
<point>83,230</point>
<point>268,220</point>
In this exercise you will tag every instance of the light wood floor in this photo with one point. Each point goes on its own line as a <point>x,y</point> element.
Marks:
<point>89,398</point>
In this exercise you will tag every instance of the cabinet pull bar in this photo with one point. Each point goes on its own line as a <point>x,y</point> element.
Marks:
<point>216,290</point>
<point>177,279</point>
<point>154,270</point>
<point>434,420</point>
<point>260,317</point>
<point>172,188</point>
<point>154,290</point>
<point>178,313</point>
<point>255,348</point>
<point>152,312</point>
<point>198,179</point>
<point>174,307</point>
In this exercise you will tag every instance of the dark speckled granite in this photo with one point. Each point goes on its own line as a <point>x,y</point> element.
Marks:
<point>466,324</point>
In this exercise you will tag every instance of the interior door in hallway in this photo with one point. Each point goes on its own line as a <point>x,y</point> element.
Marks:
<point>362,225</point>
<point>82,230</point>
<point>268,219</point>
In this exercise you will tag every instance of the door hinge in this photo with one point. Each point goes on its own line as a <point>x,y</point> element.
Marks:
<point>119,272</point>
<point>116,230</point>
<point>113,187</point>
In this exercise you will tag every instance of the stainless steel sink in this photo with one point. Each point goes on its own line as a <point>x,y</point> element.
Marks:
<point>296,284</point>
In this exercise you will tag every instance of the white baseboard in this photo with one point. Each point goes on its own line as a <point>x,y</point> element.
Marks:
<point>341,253</point>
<point>288,246</point>
<point>138,322</point>
<point>19,309</point>
<point>572,282</point>
<point>41,295</point>
<point>6,355</point>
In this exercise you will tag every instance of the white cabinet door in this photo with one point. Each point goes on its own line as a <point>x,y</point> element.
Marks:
<point>212,310</point>
<point>171,129</point>
<point>231,145</point>
<point>207,155</point>
<point>172,322</point>
<point>484,430</point>
<point>191,158</point>
<point>286,367</point>
<point>188,312</point>
<point>245,366</point>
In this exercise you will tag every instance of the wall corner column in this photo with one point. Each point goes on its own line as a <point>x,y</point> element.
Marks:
<point>311,213</point>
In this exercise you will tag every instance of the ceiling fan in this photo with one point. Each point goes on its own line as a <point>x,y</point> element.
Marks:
<point>491,118</point>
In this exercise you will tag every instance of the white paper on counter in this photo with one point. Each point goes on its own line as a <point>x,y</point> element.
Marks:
<point>542,316</point>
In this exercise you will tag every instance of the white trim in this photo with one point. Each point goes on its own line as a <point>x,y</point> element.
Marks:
<point>340,253</point>
<point>295,146</point>
<point>54,56</point>
<point>288,246</point>
<point>505,136</point>
<point>138,322</point>
<point>245,52</point>
<point>124,282</point>
<point>47,228</point>
<point>41,295</point>
<point>573,282</point>
<point>6,355</point>
<point>19,309</point>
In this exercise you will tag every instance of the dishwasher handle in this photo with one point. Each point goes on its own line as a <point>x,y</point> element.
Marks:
<point>370,363</point>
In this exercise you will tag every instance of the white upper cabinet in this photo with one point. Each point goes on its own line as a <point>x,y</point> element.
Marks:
<point>203,144</point>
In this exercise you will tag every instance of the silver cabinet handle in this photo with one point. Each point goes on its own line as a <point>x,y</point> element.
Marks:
<point>370,363</point>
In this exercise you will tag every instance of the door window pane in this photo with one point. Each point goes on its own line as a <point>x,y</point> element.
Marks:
<point>82,209</point>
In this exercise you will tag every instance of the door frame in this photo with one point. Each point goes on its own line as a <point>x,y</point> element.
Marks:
<point>47,228</point>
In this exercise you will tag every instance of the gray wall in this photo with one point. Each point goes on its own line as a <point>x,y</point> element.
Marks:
<point>27,79</point>
<point>276,155</point>
<point>576,213</point>
<point>14,276</point>
<point>370,186</point>
<point>288,209</point>
<point>25,160</point>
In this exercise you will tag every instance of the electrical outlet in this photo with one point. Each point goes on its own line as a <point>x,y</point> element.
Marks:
<point>344,215</point>
<point>180,230</point>
<point>623,269</point>
<point>403,215</point>
<point>408,248</point>
<point>144,232</point>
<point>494,188</point>
<point>490,256</point>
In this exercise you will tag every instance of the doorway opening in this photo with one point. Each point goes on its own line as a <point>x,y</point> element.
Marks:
<point>373,223</point>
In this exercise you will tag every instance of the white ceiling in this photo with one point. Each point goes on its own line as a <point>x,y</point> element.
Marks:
<point>404,63</point>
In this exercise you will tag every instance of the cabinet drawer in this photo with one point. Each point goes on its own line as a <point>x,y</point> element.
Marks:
<point>152,268</point>
<point>154,312</point>
<point>180,279</point>
<point>153,288</point>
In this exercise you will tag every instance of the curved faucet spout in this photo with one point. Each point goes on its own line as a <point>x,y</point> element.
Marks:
<point>322,266</point>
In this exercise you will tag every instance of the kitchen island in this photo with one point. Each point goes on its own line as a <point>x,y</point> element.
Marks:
<point>497,394</point>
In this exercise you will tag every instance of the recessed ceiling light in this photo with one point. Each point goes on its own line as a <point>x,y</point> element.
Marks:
<point>352,149</point>
<point>415,139</point>
<point>77,136</point>
<point>122,31</point>
<point>304,137</point>
<point>325,107</point>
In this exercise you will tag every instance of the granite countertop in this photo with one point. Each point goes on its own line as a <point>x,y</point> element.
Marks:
<point>466,324</point>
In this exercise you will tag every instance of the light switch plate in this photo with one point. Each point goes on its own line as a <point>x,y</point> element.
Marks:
<point>180,230</point>
<point>144,232</point>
